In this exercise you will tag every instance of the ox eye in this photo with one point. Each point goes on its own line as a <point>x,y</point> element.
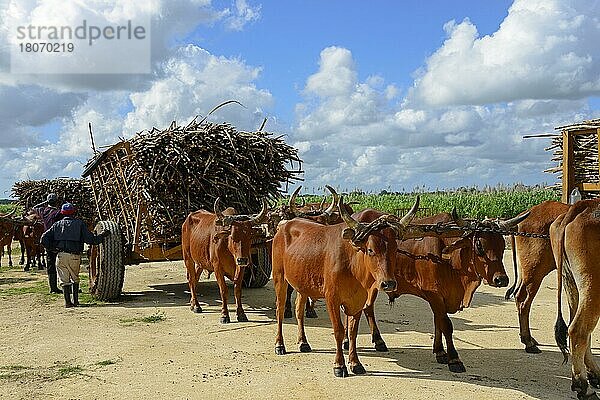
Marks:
<point>370,252</point>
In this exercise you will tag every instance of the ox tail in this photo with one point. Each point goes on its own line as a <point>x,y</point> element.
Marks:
<point>560,327</point>
<point>511,290</point>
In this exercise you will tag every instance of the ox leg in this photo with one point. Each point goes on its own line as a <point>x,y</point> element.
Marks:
<point>22,247</point>
<point>355,366</point>
<point>370,314</point>
<point>523,299</point>
<point>593,371</point>
<point>193,275</point>
<point>444,324</point>
<point>237,293</point>
<point>288,302</point>
<point>346,344</point>
<point>301,301</point>
<point>224,292</point>
<point>9,251</point>
<point>28,263</point>
<point>310,309</point>
<point>441,357</point>
<point>281,290</point>
<point>584,322</point>
<point>333,309</point>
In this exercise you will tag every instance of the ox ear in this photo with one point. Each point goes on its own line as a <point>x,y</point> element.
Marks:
<point>348,234</point>
<point>457,245</point>
<point>220,235</point>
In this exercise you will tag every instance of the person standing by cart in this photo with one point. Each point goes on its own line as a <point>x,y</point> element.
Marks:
<point>67,238</point>
<point>49,213</point>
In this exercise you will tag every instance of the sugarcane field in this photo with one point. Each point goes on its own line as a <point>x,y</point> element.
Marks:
<point>246,199</point>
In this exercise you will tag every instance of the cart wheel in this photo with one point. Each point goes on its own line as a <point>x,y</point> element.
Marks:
<point>260,273</point>
<point>107,269</point>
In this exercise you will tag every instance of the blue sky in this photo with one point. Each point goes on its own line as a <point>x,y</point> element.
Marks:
<point>387,38</point>
<point>375,95</point>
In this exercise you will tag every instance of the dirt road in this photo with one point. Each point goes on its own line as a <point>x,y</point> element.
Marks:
<point>150,345</point>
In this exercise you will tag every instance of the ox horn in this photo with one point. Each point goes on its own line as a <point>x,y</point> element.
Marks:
<point>458,220</point>
<point>261,216</point>
<point>410,214</point>
<point>322,203</point>
<point>292,202</point>
<point>218,212</point>
<point>10,214</point>
<point>334,200</point>
<point>510,224</point>
<point>351,222</point>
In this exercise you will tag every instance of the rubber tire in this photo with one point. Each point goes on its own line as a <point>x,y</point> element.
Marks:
<point>259,274</point>
<point>110,266</point>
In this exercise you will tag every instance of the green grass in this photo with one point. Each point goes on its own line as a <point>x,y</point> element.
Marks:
<point>150,319</point>
<point>35,282</point>
<point>498,202</point>
<point>70,370</point>
<point>106,363</point>
<point>6,208</point>
<point>36,287</point>
<point>57,371</point>
<point>13,372</point>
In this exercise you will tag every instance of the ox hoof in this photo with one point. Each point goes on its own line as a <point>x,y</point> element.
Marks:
<point>358,369</point>
<point>594,380</point>
<point>280,350</point>
<point>583,396</point>
<point>346,344</point>
<point>242,318</point>
<point>533,349</point>
<point>225,320</point>
<point>381,346</point>
<point>340,372</point>
<point>441,358</point>
<point>196,309</point>
<point>457,366</point>
<point>26,269</point>
<point>311,313</point>
<point>305,348</point>
<point>287,314</point>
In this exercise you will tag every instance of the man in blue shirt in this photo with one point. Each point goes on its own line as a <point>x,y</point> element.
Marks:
<point>67,237</point>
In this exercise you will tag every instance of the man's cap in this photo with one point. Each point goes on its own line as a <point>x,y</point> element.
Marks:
<point>67,209</point>
<point>52,197</point>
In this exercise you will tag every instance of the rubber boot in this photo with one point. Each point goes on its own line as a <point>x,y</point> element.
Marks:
<point>76,294</point>
<point>67,293</point>
<point>52,282</point>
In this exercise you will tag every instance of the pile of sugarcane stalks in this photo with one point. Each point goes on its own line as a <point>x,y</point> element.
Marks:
<point>77,191</point>
<point>161,176</point>
<point>585,153</point>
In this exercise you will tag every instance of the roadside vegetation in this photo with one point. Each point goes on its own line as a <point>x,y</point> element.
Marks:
<point>493,202</point>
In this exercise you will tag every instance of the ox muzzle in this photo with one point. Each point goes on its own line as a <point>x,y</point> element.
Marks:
<point>242,261</point>
<point>388,286</point>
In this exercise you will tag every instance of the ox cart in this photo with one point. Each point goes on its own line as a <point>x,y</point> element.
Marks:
<point>143,189</point>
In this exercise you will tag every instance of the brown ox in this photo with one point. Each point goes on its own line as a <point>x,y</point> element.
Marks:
<point>337,263</point>
<point>575,236</point>
<point>446,282</point>
<point>220,243</point>
<point>535,261</point>
<point>18,236</point>
<point>7,227</point>
<point>314,212</point>
<point>31,237</point>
